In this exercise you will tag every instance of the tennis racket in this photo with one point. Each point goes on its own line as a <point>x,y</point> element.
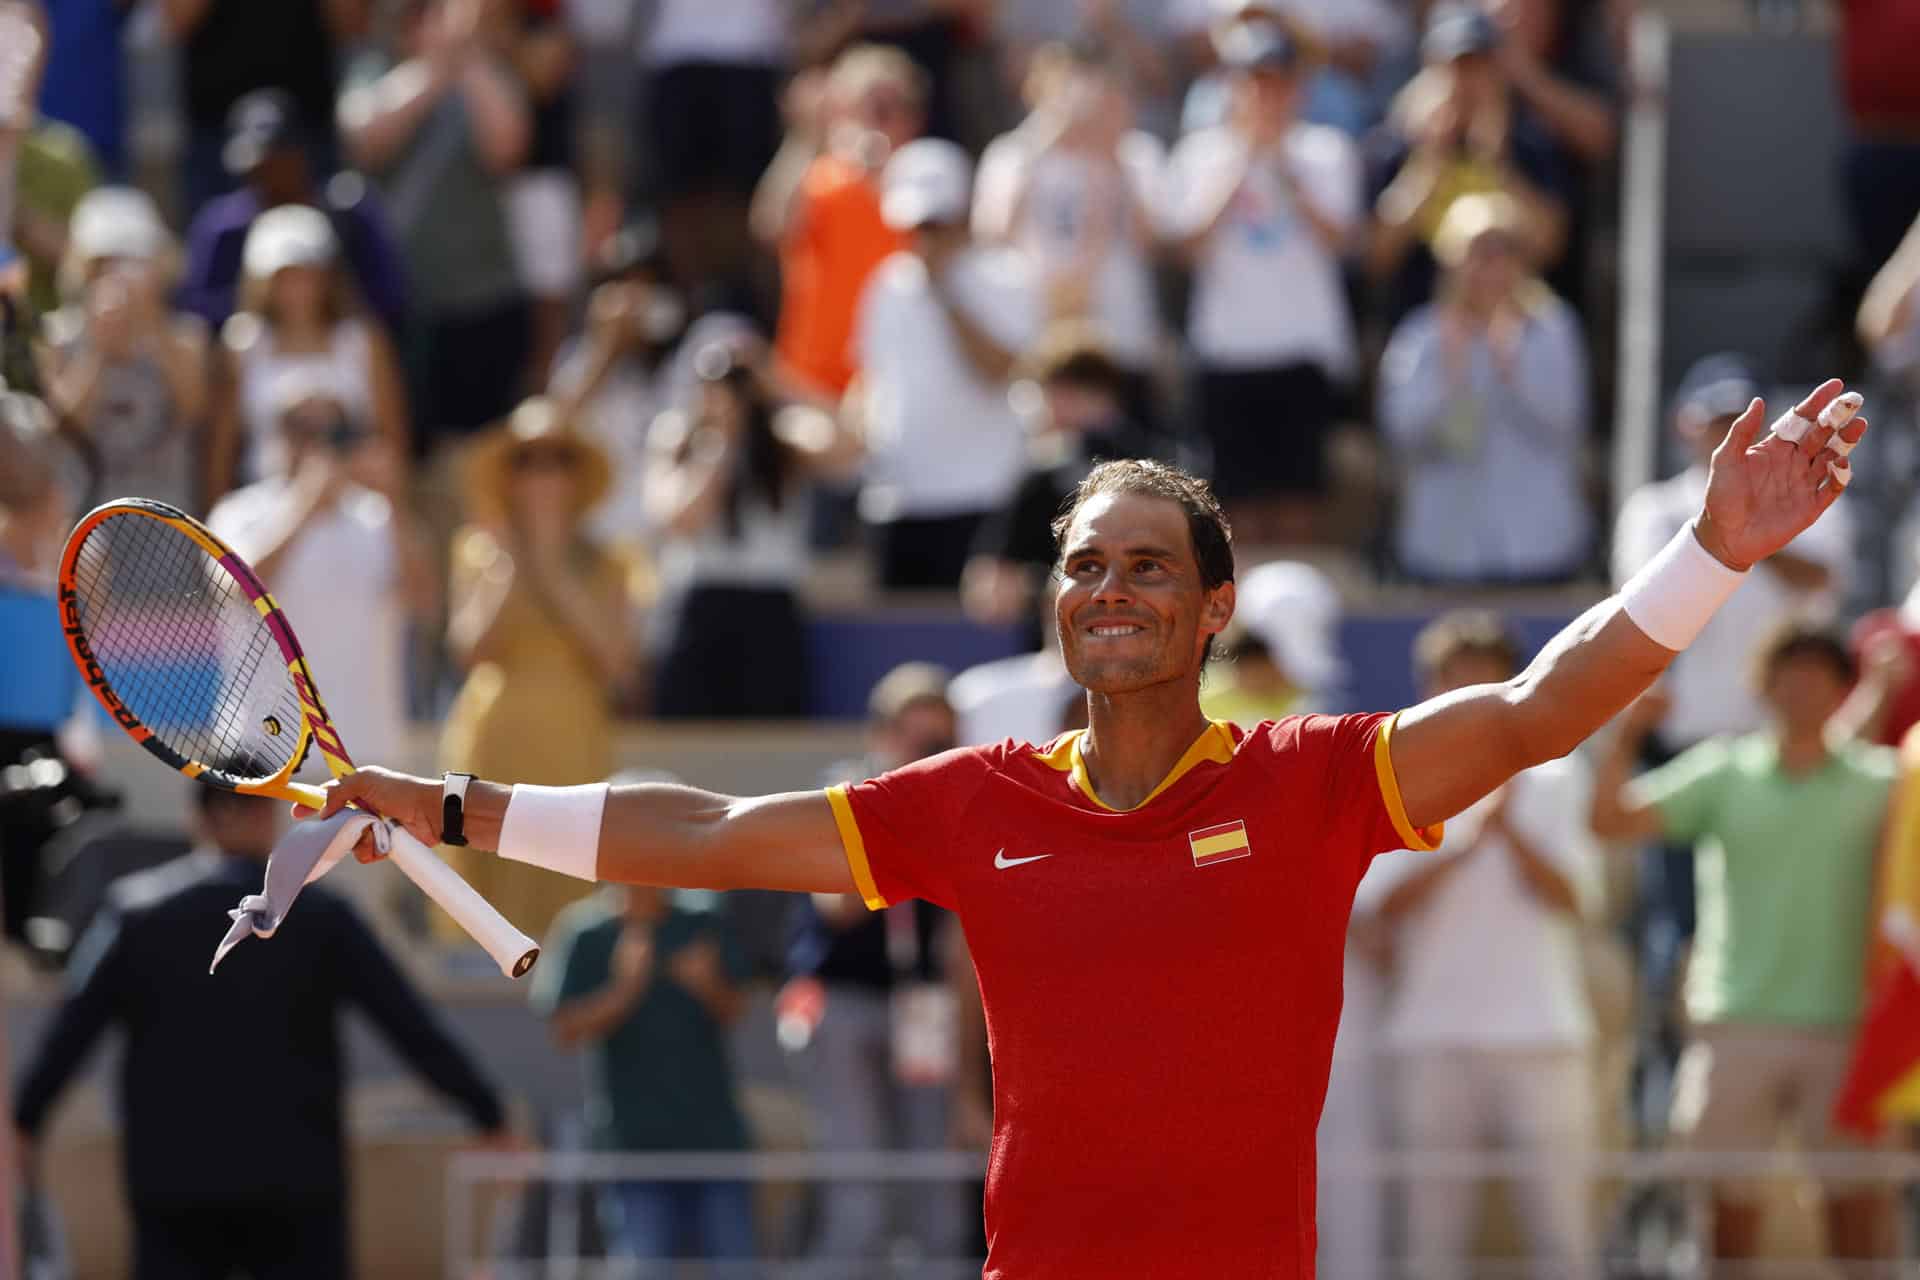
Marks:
<point>181,643</point>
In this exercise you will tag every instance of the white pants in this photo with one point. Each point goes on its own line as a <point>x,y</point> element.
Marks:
<point>1533,1101</point>
<point>1352,1215</point>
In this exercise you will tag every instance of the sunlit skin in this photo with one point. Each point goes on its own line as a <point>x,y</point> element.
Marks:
<point>1134,620</point>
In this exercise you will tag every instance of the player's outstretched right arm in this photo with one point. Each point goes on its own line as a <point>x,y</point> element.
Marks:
<point>648,833</point>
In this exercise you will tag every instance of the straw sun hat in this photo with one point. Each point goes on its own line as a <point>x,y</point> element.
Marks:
<point>535,425</point>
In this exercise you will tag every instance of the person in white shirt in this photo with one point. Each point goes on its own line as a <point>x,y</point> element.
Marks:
<point>1708,687</point>
<point>1488,1023</point>
<point>332,541</point>
<point>939,328</point>
<point>343,560</point>
<point>1483,397</point>
<point>1264,207</point>
<point>1360,38</point>
<point>1073,187</point>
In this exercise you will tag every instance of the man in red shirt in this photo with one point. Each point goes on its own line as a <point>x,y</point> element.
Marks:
<point>1157,905</point>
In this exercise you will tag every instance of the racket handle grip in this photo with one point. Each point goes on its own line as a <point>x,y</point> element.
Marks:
<point>511,949</point>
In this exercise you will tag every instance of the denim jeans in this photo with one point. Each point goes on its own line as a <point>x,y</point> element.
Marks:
<point>657,1220</point>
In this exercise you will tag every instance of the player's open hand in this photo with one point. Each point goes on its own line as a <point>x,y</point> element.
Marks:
<point>412,802</point>
<point>1763,491</point>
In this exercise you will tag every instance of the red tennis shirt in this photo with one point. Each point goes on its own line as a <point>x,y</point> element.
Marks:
<point>1162,985</point>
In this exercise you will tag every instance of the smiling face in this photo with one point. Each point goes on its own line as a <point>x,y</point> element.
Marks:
<point>1132,608</point>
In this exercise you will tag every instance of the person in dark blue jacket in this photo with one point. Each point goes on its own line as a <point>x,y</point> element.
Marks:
<point>231,1086</point>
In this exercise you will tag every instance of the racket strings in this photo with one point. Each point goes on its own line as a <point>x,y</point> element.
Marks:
<point>184,649</point>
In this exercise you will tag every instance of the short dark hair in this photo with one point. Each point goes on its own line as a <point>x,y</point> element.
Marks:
<point>1803,638</point>
<point>1071,355</point>
<point>1463,633</point>
<point>1206,522</point>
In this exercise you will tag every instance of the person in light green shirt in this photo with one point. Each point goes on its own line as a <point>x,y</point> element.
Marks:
<point>1784,824</point>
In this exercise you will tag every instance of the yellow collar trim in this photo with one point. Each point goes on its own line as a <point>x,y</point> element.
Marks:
<point>1215,745</point>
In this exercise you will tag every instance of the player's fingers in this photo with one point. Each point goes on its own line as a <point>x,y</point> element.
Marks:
<point>1839,470</point>
<point>1818,399</point>
<point>1801,421</point>
<point>1745,429</point>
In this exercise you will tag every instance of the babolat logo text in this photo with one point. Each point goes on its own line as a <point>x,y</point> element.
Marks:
<point>89,665</point>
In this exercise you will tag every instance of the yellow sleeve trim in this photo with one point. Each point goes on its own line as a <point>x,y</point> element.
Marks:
<point>1425,840</point>
<point>856,849</point>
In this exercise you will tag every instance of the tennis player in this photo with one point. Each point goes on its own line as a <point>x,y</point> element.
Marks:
<point>1157,905</point>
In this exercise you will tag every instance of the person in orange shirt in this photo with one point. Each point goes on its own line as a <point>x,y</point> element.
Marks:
<point>833,236</point>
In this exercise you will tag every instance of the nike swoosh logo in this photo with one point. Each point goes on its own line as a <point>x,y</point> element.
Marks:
<point>1002,861</point>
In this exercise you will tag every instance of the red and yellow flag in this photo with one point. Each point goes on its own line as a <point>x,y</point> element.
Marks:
<point>1883,1081</point>
<point>1223,843</point>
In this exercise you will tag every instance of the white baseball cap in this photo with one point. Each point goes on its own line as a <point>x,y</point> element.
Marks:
<point>925,181</point>
<point>117,222</point>
<point>1295,609</point>
<point>292,235</point>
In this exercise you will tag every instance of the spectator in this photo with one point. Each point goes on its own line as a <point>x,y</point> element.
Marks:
<point>267,151</point>
<point>197,1209</point>
<point>1455,131</point>
<point>1283,656</point>
<point>1083,420</point>
<point>1784,825</point>
<point>297,320</point>
<point>1074,187</point>
<point>543,198</point>
<point>834,237</point>
<point>1556,81</point>
<point>538,618</point>
<point>125,374</point>
<point>871,981</point>
<point>232,47</point>
<point>56,169</point>
<point>646,982</point>
<point>1706,688</point>
<point>633,363</point>
<point>725,487</point>
<point>1483,395</point>
<point>441,131</point>
<point>1707,695</point>
<point>1264,207</point>
<point>40,688</point>
<point>1136,32</point>
<point>1357,39</point>
<point>23,55</point>
<point>1877,43</point>
<point>933,33</point>
<point>84,84</point>
<point>806,111</point>
<point>936,340</point>
<point>338,498</point>
<point>1488,1021</point>
<point>710,122</point>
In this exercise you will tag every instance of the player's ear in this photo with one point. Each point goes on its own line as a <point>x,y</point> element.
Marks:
<point>1217,612</point>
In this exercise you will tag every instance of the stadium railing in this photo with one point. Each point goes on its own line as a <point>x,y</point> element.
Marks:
<point>1624,1175</point>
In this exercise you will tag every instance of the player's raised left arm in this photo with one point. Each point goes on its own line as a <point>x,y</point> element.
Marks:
<point>1762,492</point>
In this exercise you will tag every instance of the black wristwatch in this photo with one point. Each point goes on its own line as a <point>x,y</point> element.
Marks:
<point>453,808</point>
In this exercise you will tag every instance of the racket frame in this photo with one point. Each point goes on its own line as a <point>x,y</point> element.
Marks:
<point>316,729</point>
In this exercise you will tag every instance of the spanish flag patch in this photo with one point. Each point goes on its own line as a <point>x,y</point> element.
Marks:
<point>1223,843</point>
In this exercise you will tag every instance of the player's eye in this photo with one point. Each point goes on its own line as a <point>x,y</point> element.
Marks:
<point>1083,566</point>
<point>1147,566</point>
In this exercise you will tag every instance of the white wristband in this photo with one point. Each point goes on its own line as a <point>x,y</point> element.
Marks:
<point>555,827</point>
<point>1679,590</point>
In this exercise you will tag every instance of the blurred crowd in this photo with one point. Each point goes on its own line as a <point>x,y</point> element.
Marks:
<point>539,353</point>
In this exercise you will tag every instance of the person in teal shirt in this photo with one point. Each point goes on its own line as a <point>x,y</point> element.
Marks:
<point>645,981</point>
<point>1784,824</point>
